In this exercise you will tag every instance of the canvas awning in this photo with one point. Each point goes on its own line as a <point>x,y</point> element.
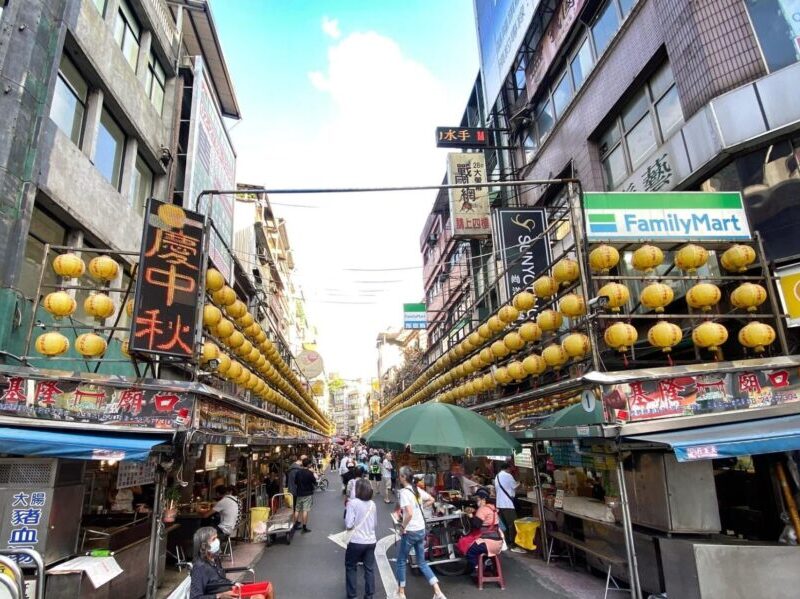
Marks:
<point>41,442</point>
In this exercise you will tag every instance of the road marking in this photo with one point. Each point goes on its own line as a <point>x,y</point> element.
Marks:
<point>385,569</point>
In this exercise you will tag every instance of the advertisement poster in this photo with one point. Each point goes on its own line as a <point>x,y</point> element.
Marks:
<point>524,251</point>
<point>469,206</point>
<point>74,401</point>
<point>565,17</point>
<point>211,164</point>
<point>703,394</point>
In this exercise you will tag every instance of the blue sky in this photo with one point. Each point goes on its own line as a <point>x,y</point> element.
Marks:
<point>347,94</point>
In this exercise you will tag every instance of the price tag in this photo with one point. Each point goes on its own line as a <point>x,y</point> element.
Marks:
<point>559,502</point>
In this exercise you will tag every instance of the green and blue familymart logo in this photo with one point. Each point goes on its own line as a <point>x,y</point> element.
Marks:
<point>668,215</point>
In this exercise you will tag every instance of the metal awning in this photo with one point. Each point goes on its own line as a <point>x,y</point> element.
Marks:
<point>753,437</point>
<point>77,446</point>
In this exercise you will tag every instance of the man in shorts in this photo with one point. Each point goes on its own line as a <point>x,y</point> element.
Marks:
<point>374,466</point>
<point>387,469</point>
<point>306,482</point>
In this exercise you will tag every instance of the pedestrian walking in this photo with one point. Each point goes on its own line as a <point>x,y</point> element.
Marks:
<point>344,466</point>
<point>306,482</point>
<point>412,532</point>
<point>375,473</point>
<point>387,470</point>
<point>505,487</point>
<point>362,518</point>
<point>291,484</point>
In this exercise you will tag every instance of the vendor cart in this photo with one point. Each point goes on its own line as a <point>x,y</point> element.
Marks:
<point>281,519</point>
<point>441,535</point>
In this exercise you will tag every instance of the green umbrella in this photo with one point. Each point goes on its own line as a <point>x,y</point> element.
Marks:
<point>574,415</point>
<point>435,427</point>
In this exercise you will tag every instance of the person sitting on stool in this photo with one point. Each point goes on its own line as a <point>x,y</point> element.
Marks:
<point>227,507</point>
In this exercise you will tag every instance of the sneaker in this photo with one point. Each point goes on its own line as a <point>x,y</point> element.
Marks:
<point>519,550</point>
<point>305,530</point>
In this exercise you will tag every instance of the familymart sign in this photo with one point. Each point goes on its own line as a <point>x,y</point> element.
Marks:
<point>668,215</point>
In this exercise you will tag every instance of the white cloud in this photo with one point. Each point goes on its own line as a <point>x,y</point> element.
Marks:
<point>331,27</point>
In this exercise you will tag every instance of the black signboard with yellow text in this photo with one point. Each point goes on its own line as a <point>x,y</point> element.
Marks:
<point>170,270</point>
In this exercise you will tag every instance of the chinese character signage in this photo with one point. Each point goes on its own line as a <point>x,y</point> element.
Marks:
<point>75,401</point>
<point>501,26</point>
<point>657,173</point>
<point>524,251</point>
<point>561,23</point>
<point>469,206</point>
<point>703,394</point>
<point>672,216</point>
<point>170,264</point>
<point>461,137</point>
<point>27,516</point>
<point>414,316</point>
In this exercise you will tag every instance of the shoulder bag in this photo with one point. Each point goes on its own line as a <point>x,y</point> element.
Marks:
<point>343,538</point>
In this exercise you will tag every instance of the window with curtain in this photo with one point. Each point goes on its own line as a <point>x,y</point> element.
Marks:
<point>69,100</point>
<point>127,32</point>
<point>110,149</point>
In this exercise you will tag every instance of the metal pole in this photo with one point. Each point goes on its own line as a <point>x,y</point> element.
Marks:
<point>540,500</point>
<point>630,548</point>
<point>156,529</point>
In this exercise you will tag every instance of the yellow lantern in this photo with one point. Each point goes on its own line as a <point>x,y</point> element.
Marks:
<point>710,335</point>
<point>545,286</point>
<point>236,310</point>
<point>214,280</point>
<point>224,329</point>
<point>530,332</point>
<point>617,294</point>
<point>223,363</point>
<point>572,305</point>
<point>90,345</point>
<point>224,296</point>
<point>103,268</point>
<point>499,349</point>
<point>487,356</point>
<point>737,258</point>
<point>234,371</point>
<point>495,324</point>
<point>524,301</point>
<point>534,364</point>
<point>549,320</point>
<point>691,257</point>
<point>656,295</point>
<point>246,321</point>
<point>59,303</point>
<point>209,352</point>
<point>756,335</point>
<point>516,371</point>
<point>99,305</point>
<point>748,296</point>
<point>477,362</point>
<point>489,382</point>
<point>620,336</point>
<point>603,258</point>
<point>244,349</point>
<point>703,296</point>
<point>566,271</point>
<point>555,356</point>
<point>484,331</point>
<point>52,344</point>
<point>212,316</point>
<point>69,266</point>
<point>129,308</point>
<point>665,335</point>
<point>501,375</point>
<point>234,340</point>
<point>478,385</point>
<point>576,345</point>
<point>647,257</point>
<point>514,341</point>
<point>508,314</point>
<point>467,367</point>
<point>475,339</point>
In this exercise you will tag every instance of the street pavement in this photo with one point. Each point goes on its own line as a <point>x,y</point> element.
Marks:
<point>312,567</point>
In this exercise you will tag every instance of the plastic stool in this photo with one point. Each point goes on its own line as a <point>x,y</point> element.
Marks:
<point>526,532</point>
<point>498,577</point>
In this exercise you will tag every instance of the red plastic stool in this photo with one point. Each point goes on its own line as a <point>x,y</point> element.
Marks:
<point>498,577</point>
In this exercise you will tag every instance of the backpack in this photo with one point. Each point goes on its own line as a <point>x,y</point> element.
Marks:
<point>374,466</point>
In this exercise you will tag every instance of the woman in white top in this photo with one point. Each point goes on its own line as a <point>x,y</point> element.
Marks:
<point>361,518</point>
<point>412,531</point>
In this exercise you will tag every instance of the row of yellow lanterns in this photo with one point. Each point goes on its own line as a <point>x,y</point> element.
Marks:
<point>689,258</point>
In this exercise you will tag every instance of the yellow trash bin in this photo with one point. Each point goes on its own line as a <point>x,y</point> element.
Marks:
<point>257,516</point>
<point>526,532</point>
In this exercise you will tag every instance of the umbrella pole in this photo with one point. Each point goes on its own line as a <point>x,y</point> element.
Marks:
<point>627,527</point>
<point>540,500</point>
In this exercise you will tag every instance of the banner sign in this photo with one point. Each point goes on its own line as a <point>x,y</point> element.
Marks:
<point>164,318</point>
<point>211,164</point>
<point>74,401</point>
<point>415,316</point>
<point>524,257</point>
<point>673,216</point>
<point>469,206</point>
<point>310,363</point>
<point>216,417</point>
<point>560,25</point>
<point>501,26</point>
<point>461,137</point>
<point>703,394</point>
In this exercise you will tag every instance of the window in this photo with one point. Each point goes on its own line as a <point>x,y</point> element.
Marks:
<point>69,100</point>
<point>544,118</point>
<point>142,184</point>
<point>110,149</point>
<point>529,146</point>
<point>101,6</point>
<point>44,229</point>
<point>625,6</point>
<point>605,27</point>
<point>581,65</point>
<point>562,94</point>
<point>650,117</point>
<point>127,32</point>
<point>155,80</point>
<point>777,27</point>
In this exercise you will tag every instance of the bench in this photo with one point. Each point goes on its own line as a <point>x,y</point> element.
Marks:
<point>610,558</point>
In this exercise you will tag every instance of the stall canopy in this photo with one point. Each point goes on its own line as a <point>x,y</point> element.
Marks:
<point>767,435</point>
<point>570,423</point>
<point>77,446</point>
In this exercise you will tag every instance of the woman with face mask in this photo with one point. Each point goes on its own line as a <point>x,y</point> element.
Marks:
<point>208,576</point>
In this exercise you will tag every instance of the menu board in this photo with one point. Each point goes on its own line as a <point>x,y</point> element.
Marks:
<point>135,474</point>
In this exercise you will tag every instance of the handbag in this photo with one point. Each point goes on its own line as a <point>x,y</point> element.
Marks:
<point>343,538</point>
